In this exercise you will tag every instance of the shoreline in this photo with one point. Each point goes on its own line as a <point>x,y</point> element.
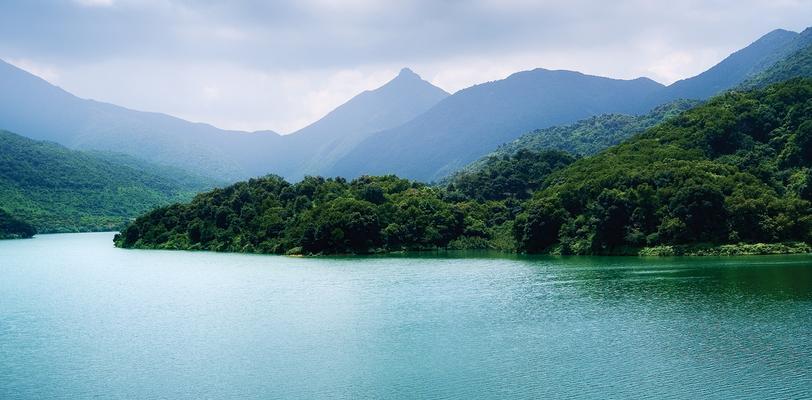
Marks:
<point>694,250</point>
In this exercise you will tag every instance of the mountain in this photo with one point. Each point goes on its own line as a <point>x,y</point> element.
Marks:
<point>39,110</point>
<point>316,147</point>
<point>36,109</point>
<point>473,121</point>
<point>407,126</point>
<point>738,67</point>
<point>796,65</point>
<point>61,190</point>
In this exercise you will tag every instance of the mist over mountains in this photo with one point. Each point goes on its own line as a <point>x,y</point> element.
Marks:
<point>406,127</point>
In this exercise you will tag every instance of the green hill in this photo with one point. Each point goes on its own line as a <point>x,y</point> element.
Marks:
<point>61,190</point>
<point>734,170</point>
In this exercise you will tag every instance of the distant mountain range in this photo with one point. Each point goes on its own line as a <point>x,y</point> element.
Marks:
<point>474,121</point>
<point>408,126</point>
<point>36,109</point>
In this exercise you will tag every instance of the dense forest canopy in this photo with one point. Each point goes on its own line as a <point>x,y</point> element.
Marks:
<point>735,170</point>
<point>319,215</point>
<point>61,190</point>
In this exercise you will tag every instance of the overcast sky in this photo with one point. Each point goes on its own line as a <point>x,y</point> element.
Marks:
<point>253,65</point>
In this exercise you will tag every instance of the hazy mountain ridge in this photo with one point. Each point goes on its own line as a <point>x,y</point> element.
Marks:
<point>407,126</point>
<point>473,121</point>
<point>39,110</point>
<point>735,68</point>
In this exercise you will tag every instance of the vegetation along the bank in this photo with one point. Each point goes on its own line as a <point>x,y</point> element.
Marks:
<point>14,228</point>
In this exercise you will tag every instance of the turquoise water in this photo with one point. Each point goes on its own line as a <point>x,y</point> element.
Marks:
<point>82,319</point>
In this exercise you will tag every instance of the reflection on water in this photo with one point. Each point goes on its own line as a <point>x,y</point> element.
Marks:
<point>81,319</point>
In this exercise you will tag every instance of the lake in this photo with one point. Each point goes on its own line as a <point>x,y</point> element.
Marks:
<point>82,319</point>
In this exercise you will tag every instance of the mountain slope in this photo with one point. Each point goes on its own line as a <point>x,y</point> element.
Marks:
<point>737,67</point>
<point>316,147</point>
<point>39,110</point>
<point>473,121</point>
<point>57,189</point>
<point>588,136</point>
<point>796,65</point>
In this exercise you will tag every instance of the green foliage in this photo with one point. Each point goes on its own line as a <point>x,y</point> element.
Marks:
<point>735,170</point>
<point>314,216</point>
<point>513,176</point>
<point>62,190</point>
<point>13,228</point>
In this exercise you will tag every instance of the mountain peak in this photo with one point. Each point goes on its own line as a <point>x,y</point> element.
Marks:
<point>408,73</point>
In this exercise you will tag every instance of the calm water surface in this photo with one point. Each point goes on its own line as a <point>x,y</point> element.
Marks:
<point>81,319</point>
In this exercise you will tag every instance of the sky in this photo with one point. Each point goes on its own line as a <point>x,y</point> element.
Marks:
<point>280,65</point>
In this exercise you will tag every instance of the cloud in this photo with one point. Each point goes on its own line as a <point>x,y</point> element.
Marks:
<point>255,64</point>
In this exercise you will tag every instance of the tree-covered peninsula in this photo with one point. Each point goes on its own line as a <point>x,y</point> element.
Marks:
<point>733,175</point>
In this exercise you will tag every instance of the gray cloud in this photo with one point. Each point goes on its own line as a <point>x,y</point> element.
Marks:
<point>254,64</point>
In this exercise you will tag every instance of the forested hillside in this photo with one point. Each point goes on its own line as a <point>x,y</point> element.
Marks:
<point>62,190</point>
<point>735,171</point>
